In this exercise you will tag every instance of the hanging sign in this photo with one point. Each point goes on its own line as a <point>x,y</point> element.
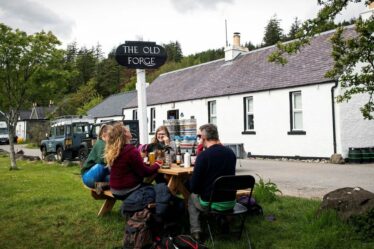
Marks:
<point>140,55</point>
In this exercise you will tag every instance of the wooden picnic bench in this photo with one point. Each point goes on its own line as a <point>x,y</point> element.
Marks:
<point>110,200</point>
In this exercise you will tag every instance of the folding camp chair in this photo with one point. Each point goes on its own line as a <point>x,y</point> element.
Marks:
<point>226,186</point>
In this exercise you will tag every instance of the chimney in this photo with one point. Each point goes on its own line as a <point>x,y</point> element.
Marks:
<point>368,13</point>
<point>236,39</point>
<point>231,52</point>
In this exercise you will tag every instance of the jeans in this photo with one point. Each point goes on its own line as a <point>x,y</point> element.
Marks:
<point>97,173</point>
<point>194,210</point>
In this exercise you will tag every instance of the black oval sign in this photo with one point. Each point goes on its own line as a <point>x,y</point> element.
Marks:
<point>140,55</point>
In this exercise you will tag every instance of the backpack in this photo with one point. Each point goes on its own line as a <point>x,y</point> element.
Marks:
<point>187,242</point>
<point>253,207</point>
<point>178,242</point>
<point>137,231</point>
<point>138,200</point>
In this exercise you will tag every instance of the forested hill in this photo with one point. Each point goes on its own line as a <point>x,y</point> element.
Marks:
<point>91,77</point>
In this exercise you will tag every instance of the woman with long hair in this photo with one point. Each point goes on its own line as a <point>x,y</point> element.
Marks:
<point>127,169</point>
<point>161,140</point>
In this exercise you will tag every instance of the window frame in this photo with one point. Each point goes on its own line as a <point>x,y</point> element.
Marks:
<point>293,111</point>
<point>153,120</point>
<point>170,113</point>
<point>211,115</point>
<point>135,114</point>
<point>246,113</point>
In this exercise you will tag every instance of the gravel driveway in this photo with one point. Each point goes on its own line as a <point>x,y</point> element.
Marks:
<point>311,180</point>
<point>294,178</point>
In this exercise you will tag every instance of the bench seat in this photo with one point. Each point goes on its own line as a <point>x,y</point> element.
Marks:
<point>110,200</point>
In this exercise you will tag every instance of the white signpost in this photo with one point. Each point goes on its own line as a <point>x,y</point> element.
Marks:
<point>142,105</point>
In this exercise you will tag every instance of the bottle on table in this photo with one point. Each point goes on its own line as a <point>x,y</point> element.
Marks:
<point>193,155</point>
<point>178,155</point>
<point>167,158</point>
<point>187,159</point>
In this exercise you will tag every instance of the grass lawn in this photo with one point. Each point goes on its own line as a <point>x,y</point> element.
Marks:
<point>46,206</point>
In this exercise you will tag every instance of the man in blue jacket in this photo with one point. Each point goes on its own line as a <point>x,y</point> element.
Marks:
<point>215,161</point>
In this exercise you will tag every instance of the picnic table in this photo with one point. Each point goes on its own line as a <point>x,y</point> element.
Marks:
<point>176,177</point>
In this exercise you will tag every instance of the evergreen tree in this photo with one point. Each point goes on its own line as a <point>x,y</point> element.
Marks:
<point>294,29</point>
<point>249,45</point>
<point>273,32</point>
<point>173,51</point>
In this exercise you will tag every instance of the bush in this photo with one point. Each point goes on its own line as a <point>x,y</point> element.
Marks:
<point>37,132</point>
<point>265,192</point>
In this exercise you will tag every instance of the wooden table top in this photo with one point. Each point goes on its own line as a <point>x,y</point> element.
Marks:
<point>176,170</point>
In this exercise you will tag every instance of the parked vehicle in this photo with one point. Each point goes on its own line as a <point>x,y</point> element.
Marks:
<point>66,136</point>
<point>88,142</point>
<point>4,134</point>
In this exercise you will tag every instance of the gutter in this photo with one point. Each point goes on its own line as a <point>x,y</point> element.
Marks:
<point>333,114</point>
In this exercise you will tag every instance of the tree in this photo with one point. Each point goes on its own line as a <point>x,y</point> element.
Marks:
<point>174,51</point>
<point>273,32</point>
<point>249,45</point>
<point>294,29</point>
<point>353,56</point>
<point>22,56</point>
<point>79,101</point>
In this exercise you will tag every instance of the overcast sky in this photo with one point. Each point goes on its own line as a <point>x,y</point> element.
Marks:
<point>197,24</point>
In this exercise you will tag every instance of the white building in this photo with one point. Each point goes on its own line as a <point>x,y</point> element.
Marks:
<point>274,110</point>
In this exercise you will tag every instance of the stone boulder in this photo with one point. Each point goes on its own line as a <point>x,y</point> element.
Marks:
<point>348,202</point>
<point>50,158</point>
<point>337,159</point>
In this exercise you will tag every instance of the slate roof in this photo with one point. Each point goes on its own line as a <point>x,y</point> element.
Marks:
<point>24,114</point>
<point>112,105</point>
<point>41,112</point>
<point>38,112</point>
<point>250,72</point>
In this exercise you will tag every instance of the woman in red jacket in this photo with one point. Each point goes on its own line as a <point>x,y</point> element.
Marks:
<point>127,168</point>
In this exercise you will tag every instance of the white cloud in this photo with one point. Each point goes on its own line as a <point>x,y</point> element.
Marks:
<point>191,5</point>
<point>33,17</point>
<point>198,25</point>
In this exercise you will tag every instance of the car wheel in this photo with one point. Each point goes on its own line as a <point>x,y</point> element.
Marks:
<point>44,153</point>
<point>59,154</point>
<point>82,155</point>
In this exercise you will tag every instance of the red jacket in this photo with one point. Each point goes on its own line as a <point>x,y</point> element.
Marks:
<point>128,169</point>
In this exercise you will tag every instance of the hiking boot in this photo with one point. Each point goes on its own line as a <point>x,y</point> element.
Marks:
<point>196,236</point>
<point>101,187</point>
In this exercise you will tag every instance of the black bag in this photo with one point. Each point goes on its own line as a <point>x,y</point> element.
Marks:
<point>178,242</point>
<point>164,243</point>
<point>137,231</point>
<point>253,207</point>
<point>138,200</point>
<point>187,242</point>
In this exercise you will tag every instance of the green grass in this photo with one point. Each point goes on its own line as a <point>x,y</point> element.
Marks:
<point>46,206</point>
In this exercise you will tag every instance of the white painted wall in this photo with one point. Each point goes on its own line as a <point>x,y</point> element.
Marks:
<point>21,129</point>
<point>354,130</point>
<point>272,121</point>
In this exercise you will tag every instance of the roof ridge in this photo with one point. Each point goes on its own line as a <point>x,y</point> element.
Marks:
<point>252,51</point>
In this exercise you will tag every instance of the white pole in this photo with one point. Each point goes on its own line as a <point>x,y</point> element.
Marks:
<point>142,106</point>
